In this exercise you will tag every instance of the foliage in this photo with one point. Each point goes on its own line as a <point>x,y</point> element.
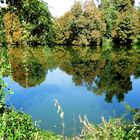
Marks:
<point>29,21</point>
<point>114,129</point>
<point>17,125</point>
<point>109,14</point>
<point>12,28</point>
<point>126,29</point>
<point>4,90</point>
<point>85,24</point>
<point>44,135</point>
<point>37,21</point>
<point>2,34</point>
<point>121,18</point>
<point>124,5</point>
<point>82,25</point>
<point>62,26</point>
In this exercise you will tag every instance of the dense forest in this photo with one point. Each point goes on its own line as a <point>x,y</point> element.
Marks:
<point>111,23</point>
<point>86,24</point>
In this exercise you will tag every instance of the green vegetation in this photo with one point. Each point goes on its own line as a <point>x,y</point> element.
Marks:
<point>81,26</point>
<point>114,129</point>
<point>104,70</point>
<point>127,24</point>
<point>18,126</point>
<point>86,24</point>
<point>27,22</point>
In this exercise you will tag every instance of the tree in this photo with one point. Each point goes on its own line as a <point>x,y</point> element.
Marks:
<point>126,28</point>
<point>35,20</point>
<point>82,25</point>
<point>121,18</point>
<point>127,23</point>
<point>1,26</point>
<point>123,5</point>
<point>95,26</point>
<point>109,14</point>
<point>12,27</point>
<point>62,26</point>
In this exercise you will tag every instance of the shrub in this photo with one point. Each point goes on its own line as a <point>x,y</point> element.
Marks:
<point>18,126</point>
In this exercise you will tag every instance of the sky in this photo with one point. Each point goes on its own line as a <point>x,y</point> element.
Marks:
<point>59,7</point>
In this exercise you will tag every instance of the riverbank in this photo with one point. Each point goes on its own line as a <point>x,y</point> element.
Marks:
<point>15,125</point>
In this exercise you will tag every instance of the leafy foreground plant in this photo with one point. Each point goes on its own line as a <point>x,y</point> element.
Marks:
<point>19,126</point>
<point>114,129</point>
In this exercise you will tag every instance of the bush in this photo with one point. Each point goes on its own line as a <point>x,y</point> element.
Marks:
<point>14,125</point>
<point>19,126</point>
<point>114,129</point>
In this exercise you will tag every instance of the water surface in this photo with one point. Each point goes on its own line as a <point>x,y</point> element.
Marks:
<point>84,80</point>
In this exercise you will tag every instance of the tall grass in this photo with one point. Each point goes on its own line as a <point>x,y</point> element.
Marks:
<point>61,114</point>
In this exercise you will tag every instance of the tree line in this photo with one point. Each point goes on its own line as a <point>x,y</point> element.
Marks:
<point>86,24</point>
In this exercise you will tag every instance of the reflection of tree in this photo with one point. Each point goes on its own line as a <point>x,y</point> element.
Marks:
<point>27,65</point>
<point>137,72</point>
<point>112,83</point>
<point>74,62</point>
<point>114,80</point>
<point>101,72</point>
<point>85,72</point>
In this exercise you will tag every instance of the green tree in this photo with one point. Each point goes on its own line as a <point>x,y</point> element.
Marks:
<point>95,26</point>
<point>126,28</point>
<point>35,20</point>
<point>82,25</point>
<point>62,26</point>
<point>109,13</point>
<point>123,5</point>
<point>127,23</point>
<point>2,34</point>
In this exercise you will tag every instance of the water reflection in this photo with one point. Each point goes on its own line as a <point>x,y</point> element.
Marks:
<point>104,72</point>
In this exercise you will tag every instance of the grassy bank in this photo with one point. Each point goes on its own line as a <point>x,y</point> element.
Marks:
<point>18,126</point>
